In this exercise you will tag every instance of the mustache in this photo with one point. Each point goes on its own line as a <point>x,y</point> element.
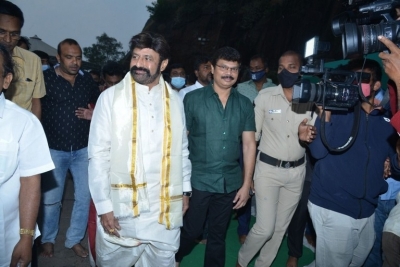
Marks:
<point>134,68</point>
<point>228,77</point>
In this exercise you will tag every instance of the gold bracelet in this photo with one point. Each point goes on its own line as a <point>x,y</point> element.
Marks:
<point>24,231</point>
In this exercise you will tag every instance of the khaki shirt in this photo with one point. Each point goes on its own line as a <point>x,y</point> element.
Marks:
<point>277,125</point>
<point>28,80</point>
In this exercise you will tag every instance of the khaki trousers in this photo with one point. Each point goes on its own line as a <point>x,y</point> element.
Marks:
<point>278,191</point>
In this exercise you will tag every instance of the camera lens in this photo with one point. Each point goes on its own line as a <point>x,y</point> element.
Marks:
<point>338,24</point>
<point>305,91</point>
<point>363,39</point>
<point>340,20</point>
<point>338,95</point>
<point>350,40</point>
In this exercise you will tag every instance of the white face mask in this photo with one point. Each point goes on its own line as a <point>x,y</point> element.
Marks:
<point>45,67</point>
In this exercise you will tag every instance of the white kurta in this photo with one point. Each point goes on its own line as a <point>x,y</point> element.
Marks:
<point>145,227</point>
<point>23,152</point>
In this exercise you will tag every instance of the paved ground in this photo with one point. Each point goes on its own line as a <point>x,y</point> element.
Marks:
<point>64,257</point>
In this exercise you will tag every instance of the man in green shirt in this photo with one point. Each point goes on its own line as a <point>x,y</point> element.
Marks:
<point>258,68</point>
<point>218,118</point>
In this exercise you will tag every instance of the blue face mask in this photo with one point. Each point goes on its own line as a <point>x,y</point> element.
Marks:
<point>178,82</point>
<point>45,67</point>
<point>256,76</point>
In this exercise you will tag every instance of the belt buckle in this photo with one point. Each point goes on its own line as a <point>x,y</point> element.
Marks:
<point>286,165</point>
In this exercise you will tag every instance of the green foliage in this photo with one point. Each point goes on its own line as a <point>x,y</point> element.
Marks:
<point>107,48</point>
<point>161,10</point>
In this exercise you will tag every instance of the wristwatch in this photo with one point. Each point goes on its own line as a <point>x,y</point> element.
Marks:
<point>187,194</point>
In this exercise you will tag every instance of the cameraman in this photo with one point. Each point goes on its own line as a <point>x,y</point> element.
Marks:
<point>346,185</point>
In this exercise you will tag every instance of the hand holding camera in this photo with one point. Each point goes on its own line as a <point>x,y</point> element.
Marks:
<point>391,62</point>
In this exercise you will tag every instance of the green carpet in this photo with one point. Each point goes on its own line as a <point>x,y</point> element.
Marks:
<point>196,258</point>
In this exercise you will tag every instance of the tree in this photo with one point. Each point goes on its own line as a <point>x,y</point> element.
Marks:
<point>161,10</point>
<point>107,48</point>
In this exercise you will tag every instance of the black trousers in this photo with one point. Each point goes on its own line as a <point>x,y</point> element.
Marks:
<point>219,208</point>
<point>298,224</point>
<point>34,261</point>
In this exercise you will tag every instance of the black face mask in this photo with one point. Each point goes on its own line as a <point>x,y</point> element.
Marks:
<point>287,78</point>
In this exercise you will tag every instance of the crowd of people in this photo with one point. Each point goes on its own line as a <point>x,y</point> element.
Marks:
<point>158,163</point>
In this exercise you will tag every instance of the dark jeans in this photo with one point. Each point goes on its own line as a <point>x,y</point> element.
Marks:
<point>298,224</point>
<point>219,208</point>
<point>243,217</point>
<point>244,214</point>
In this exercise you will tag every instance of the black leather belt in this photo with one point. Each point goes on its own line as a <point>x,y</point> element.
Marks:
<point>280,163</point>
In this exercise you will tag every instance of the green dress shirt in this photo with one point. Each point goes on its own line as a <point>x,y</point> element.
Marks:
<point>215,135</point>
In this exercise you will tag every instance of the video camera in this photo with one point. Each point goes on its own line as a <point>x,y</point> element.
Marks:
<point>340,89</point>
<point>359,34</point>
<point>337,89</point>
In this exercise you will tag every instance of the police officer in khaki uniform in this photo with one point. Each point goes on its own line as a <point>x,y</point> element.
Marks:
<point>280,167</point>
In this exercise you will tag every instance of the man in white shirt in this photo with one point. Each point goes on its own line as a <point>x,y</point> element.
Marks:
<point>139,171</point>
<point>202,70</point>
<point>24,155</point>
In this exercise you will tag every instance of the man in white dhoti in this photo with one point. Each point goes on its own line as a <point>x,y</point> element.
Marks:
<point>139,171</point>
<point>24,155</point>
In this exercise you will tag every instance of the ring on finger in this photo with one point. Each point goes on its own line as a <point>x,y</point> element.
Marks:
<point>111,231</point>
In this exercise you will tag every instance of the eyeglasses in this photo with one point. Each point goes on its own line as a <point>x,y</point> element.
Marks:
<point>226,68</point>
<point>13,35</point>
